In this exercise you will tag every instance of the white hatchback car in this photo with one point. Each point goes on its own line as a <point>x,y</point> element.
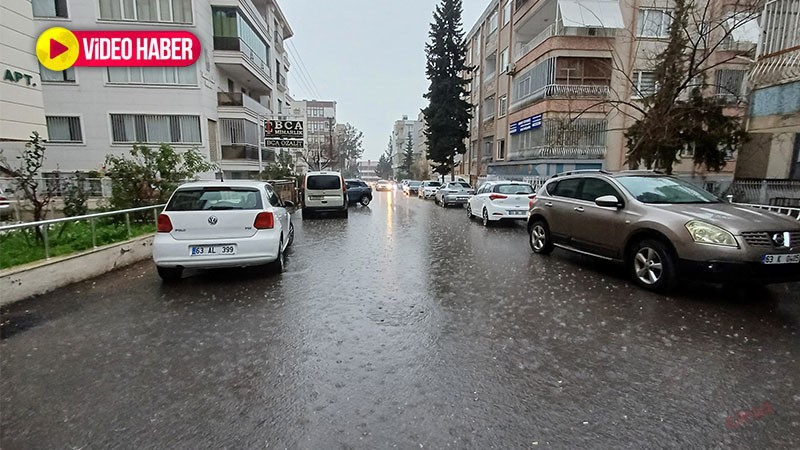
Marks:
<point>213,224</point>
<point>501,200</point>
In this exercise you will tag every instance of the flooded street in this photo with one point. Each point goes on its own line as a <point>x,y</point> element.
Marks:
<point>404,326</point>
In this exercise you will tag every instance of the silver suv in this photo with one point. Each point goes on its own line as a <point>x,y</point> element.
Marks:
<point>661,227</point>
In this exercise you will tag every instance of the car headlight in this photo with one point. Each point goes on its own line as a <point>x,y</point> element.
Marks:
<point>705,233</point>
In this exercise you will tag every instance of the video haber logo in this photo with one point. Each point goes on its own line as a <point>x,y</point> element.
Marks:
<point>59,49</point>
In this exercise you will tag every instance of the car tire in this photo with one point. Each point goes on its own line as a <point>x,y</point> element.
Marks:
<point>343,214</point>
<point>485,218</point>
<point>306,214</point>
<point>443,203</point>
<point>469,212</point>
<point>652,265</point>
<point>277,265</point>
<point>170,273</point>
<point>539,238</point>
<point>364,200</point>
<point>290,239</point>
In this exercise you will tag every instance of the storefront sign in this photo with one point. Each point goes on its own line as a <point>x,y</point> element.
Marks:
<point>286,143</point>
<point>526,124</point>
<point>276,129</point>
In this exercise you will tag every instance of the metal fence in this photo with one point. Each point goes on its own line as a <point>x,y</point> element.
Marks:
<point>793,212</point>
<point>765,192</point>
<point>58,186</point>
<point>44,225</point>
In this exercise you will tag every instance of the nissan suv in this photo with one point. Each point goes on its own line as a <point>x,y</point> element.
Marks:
<point>662,227</point>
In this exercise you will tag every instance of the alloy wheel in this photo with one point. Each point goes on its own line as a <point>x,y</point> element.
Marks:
<point>648,266</point>
<point>538,237</point>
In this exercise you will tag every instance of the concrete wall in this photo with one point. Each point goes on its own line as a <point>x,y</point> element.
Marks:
<point>38,278</point>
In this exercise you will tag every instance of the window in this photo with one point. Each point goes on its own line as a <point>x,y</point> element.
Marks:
<point>316,111</point>
<point>183,76</point>
<point>49,8</point>
<point>488,148</point>
<point>173,11</point>
<point>594,187</point>
<point>504,60</point>
<point>534,80</point>
<point>501,149</point>
<point>65,129</point>
<point>583,71</point>
<point>654,23</point>
<point>644,84</point>
<point>50,76</point>
<point>730,83</point>
<point>514,189</point>
<point>507,13</point>
<point>491,23</point>
<point>155,128</point>
<point>214,198</point>
<point>565,188</point>
<point>273,198</point>
<point>323,182</point>
<point>503,108</point>
<point>489,107</point>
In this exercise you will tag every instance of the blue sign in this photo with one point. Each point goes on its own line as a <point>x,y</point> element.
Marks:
<point>526,124</point>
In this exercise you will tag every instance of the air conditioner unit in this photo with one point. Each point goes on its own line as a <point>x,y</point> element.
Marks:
<point>511,68</point>
<point>591,31</point>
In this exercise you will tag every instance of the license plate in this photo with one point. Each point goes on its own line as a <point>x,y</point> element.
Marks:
<point>516,213</point>
<point>212,250</point>
<point>792,258</point>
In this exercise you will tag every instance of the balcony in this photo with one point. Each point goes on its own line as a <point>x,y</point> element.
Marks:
<point>238,102</point>
<point>247,152</point>
<point>561,152</point>
<point>243,62</point>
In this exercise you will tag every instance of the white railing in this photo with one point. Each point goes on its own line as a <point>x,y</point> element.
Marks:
<point>58,186</point>
<point>792,212</point>
<point>562,152</point>
<point>44,225</point>
<point>525,48</point>
<point>763,191</point>
<point>572,90</point>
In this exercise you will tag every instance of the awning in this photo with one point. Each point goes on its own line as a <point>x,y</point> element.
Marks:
<point>591,14</point>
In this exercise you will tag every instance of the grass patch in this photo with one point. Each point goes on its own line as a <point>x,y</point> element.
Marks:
<point>20,246</point>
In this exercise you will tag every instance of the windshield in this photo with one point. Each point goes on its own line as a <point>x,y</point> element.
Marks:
<point>649,189</point>
<point>214,199</point>
<point>432,184</point>
<point>514,189</point>
<point>322,182</point>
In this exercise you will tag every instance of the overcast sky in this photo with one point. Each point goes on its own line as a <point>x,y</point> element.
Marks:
<point>368,56</point>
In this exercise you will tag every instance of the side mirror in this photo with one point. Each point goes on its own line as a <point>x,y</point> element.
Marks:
<point>608,201</point>
<point>288,204</point>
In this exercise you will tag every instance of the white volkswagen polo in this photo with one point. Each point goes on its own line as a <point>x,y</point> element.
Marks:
<point>213,224</point>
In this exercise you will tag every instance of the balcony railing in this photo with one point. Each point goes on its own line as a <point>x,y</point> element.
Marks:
<point>562,152</point>
<point>246,152</point>
<point>525,48</point>
<point>779,67</point>
<point>556,29</point>
<point>237,99</point>
<point>232,43</point>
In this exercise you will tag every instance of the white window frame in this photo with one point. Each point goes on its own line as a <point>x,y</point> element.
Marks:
<point>502,108</point>
<point>149,141</point>
<point>497,150</point>
<point>637,93</point>
<point>79,128</point>
<point>663,27</point>
<point>506,12</point>
<point>177,82</point>
<point>504,60</point>
<point>55,16</point>
<point>491,23</point>
<point>43,70</point>
<point>135,17</point>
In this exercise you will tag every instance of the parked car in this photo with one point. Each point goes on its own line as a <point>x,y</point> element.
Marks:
<point>428,189</point>
<point>324,192</point>
<point>454,193</point>
<point>358,192</point>
<point>411,187</point>
<point>661,228</point>
<point>6,212</point>
<point>500,200</point>
<point>383,185</point>
<point>214,224</point>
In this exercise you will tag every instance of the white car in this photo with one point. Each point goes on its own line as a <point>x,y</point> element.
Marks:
<point>428,189</point>
<point>212,224</point>
<point>501,200</point>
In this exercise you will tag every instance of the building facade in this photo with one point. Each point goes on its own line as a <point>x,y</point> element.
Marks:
<point>218,105</point>
<point>22,110</point>
<point>546,76</point>
<point>319,120</point>
<point>774,116</point>
<point>401,131</point>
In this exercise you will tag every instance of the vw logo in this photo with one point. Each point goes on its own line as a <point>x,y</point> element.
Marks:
<point>781,239</point>
<point>212,220</point>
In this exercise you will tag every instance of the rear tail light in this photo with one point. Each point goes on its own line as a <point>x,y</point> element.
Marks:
<point>164,224</point>
<point>264,220</point>
<point>532,197</point>
<point>344,185</point>
<point>497,196</point>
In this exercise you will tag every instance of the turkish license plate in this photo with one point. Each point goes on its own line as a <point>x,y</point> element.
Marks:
<point>516,212</point>
<point>792,258</point>
<point>212,250</point>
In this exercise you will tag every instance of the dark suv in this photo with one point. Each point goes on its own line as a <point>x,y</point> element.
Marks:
<point>660,226</point>
<point>358,192</point>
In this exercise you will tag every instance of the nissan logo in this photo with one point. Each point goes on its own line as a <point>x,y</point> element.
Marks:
<point>212,220</point>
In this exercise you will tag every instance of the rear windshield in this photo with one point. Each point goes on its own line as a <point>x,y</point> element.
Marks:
<point>414,183</point>
<point>433,183</point>
<point>214,199</point>
<point>514,189</point>
<point>465,185</point>
<point>323,182</point>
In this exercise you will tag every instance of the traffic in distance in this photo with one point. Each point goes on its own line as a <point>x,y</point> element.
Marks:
<point>658,227</point>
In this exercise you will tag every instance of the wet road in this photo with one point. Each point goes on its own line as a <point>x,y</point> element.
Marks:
<point>405,326</point>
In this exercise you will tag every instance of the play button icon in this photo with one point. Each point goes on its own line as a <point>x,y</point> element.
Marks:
<point>57,48</point>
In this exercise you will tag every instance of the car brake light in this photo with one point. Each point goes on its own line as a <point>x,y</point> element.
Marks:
<point>264,220</point>
<point>164,224</point>
<point>344,185</point>
<point>497,196</point>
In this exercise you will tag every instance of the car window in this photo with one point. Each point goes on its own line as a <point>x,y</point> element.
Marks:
<point>214,199</point>
<point>414,183</point>
<point>514,189</point>
<point>566,188</point>
<point>594,188</point>
<point>648,189</point>
<point>273,198</point>
<point>434,183</point>
<point>320,182</point>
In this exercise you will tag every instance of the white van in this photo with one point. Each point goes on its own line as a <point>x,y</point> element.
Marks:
<point>324,192</point>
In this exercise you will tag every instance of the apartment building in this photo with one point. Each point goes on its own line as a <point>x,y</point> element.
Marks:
<point>544,70</point>
<point>774,116</point>
<point>22,110</point>
<point>401,130</point>
<point>319,119</point>
<point>218,105</point>
<point>423,167</point>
